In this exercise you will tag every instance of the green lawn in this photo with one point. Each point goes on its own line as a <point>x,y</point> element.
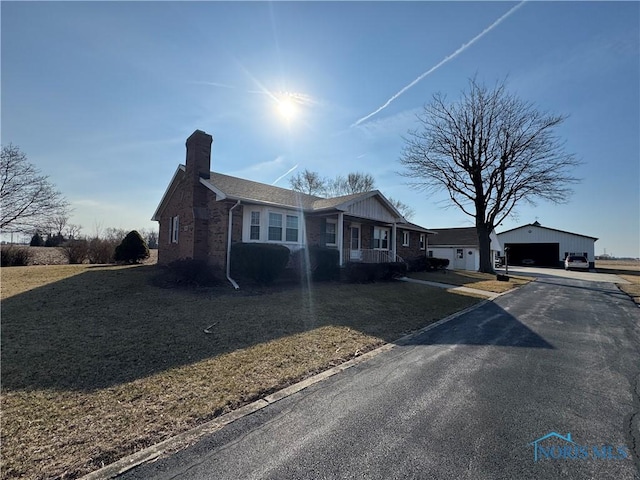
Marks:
<point>98,363</point>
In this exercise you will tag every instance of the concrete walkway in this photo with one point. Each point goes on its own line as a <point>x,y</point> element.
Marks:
<point>454,288</point>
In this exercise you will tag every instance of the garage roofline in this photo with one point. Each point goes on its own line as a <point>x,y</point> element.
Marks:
<point>548,228</point>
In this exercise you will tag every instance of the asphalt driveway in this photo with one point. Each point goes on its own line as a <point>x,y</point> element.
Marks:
<point>589,276</point>
<point>466,400</point>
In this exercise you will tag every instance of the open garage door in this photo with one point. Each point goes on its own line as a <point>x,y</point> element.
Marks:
<point>542,254</point>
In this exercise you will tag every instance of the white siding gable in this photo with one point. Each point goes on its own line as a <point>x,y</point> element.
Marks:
<point>372,209</point>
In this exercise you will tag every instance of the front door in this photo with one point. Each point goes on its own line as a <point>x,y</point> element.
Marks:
<point>458,260</point>
<point>355,246</point>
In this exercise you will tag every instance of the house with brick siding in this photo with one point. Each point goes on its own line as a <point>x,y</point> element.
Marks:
<point>202,213</point>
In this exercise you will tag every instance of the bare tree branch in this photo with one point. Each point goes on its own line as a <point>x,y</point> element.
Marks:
<point>29,201</point>
<point>308,182</point>
<point>405,210</point>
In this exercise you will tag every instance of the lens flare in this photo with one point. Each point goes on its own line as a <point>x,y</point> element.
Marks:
<point>287,108</point>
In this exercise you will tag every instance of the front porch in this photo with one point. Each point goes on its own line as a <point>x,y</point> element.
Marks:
<point>359,240</point>
<point>369,241</point>
<point>370,256</point>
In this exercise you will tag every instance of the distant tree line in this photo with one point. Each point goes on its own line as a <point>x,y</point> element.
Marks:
<point>103,247</point>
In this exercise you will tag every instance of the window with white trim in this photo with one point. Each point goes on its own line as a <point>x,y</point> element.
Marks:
<point>331,230</point>
<point>405,238</point>
<point>422,241</point>
<point>174,228</point>
<point>254,228</point>
<point>381,238</point>
<point>275,226</point>
<point>291,233</point>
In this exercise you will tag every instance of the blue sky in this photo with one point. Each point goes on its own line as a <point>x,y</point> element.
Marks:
<point>102,96</point>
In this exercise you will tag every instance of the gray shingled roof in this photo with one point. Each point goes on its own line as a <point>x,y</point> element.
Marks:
<point>236,188</point>
<point>239,188</point>
<point>465,236</point>
<point>325,203</point>
<point>413,226</point>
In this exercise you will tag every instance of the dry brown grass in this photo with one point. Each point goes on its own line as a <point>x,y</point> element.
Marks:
<point>633,288</point>
<point>618,264</point>
<point>477,280</point>
<point>628,270</point>
<point>98,363</point>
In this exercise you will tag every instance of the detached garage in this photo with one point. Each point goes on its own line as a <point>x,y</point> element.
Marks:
<point>540,246</point>
<point>460,246</point>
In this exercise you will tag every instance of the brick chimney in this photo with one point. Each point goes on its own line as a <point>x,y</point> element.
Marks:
<point>198,165</point>
<point>199,155</point>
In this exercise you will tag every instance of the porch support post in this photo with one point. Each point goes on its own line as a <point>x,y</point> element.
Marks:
<point>341,237</point>
<point>394,248</point>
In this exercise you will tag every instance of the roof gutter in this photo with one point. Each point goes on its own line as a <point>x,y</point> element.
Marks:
<point>233,282</point>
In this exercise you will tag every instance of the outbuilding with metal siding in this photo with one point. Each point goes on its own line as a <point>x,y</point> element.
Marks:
<point>544,246</point>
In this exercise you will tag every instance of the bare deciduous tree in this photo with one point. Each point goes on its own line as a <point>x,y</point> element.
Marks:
<point>490,151</point>
<point>405,210</point>
<point>29,201</point>
<point>73,231</point>
<point>308,182</point>
<point>354,182</point>
<point>150,236</point>
<point>58,223</point>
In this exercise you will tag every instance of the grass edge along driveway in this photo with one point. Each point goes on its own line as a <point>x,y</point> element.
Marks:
<point>97,363</point>
<point>477,280</point>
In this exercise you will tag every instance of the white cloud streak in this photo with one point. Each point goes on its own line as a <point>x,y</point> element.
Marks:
<point>441,63</point>
<point>213,84</point>
<point>285,174</point>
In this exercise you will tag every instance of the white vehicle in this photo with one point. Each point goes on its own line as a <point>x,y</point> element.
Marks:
<point>576,261</point>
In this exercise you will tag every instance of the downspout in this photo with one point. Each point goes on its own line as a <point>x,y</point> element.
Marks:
<point>340,239</point>
<point>394,248</point>
<point>233,282</point>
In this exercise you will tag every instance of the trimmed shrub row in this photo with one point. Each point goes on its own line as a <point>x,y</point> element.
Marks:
<point>437,263</point>
<point>320,262</point>
<point>265,263</point>
<point>355,272</point>
<point>260,262</point>
<point>422,264</point>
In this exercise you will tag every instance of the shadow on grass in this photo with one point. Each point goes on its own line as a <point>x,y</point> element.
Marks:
<point>486,325</point>
<point>106,327</point>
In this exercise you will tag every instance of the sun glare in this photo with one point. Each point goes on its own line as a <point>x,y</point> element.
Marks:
<point>287,108</point>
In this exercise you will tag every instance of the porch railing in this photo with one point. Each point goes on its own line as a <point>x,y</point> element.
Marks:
<point>371,256</point>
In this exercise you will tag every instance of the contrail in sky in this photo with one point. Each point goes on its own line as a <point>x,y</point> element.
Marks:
<point>442,62</point>
<point>285,174</point>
